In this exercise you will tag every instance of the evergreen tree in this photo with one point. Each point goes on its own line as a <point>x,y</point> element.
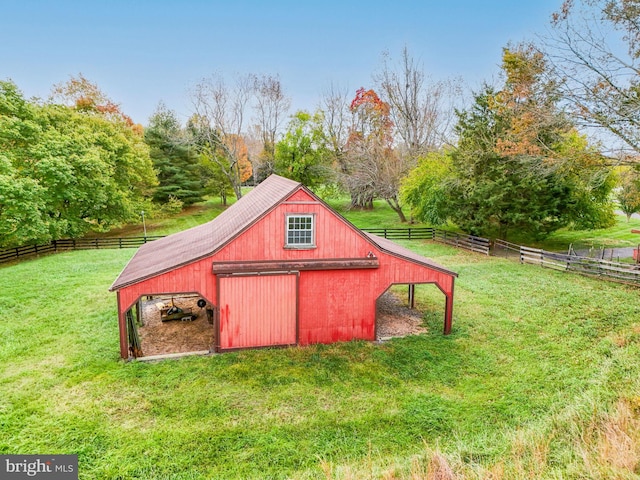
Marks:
<point>519,165</point>
<point>176,164</point>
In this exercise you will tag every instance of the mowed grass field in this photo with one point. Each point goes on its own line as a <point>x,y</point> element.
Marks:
<point>539,379</point>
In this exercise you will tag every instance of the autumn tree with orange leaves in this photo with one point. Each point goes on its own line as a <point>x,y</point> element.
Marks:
<point>85,96</point>
<point>372,169</point>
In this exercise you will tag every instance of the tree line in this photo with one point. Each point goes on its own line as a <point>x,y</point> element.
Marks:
<point>525,154</point>
<point>66,170</point>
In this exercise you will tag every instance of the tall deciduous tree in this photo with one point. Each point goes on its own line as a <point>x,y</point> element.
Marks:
<point>23,210</point>
<point>213,160</point>
<point>271,106</point>
<point>628,194</point>
<point>595,50</point>
<point>424,189</point>
<point>421,109</point>
<point>373,169</point>
<point>220,111</point>
<point>64,172</point>
<point>302,153</point>
<point>86,96</point>
<point>336,117</point>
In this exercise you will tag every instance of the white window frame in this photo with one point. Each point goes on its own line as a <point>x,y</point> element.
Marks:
<point>287,230</point>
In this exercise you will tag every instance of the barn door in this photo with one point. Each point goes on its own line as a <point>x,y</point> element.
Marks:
<point>257,310</point>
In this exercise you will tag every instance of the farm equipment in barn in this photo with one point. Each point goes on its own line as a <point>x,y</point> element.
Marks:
<point>203,303</point>
<point>173,312</point>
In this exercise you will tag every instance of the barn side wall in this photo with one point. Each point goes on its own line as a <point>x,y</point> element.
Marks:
<point>341,305</point>
<point>195,277</point>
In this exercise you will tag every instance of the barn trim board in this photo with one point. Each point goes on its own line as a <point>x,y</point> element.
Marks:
<point>299,265</point>
<point>345,266</point>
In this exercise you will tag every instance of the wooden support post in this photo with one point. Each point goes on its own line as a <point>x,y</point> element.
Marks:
<point>139,319</point>
<point>448,310</point>
<point>412,296</point>
<point>122,323</point>
<point>448,314</point>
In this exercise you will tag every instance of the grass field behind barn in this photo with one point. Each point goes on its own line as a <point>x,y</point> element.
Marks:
<point>539,379</point>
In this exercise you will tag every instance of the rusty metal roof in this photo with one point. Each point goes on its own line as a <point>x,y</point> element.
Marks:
<point>399,251</point>
<point>198,242</point>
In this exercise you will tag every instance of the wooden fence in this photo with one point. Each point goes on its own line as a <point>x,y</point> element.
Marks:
<point>615,271</point>
<point>10,254</point>
<point>411,233</point>
<point>469,242</point>
<point>460,240</point>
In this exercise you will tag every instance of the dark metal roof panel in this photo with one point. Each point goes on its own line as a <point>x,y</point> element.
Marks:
<point>184,247</point>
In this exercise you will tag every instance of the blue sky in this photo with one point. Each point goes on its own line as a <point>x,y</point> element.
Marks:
<point>141,52</point>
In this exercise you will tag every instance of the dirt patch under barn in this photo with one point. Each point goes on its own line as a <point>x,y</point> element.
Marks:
<point>175,336</point>
<point>396,319</point>
<point>178,336</point>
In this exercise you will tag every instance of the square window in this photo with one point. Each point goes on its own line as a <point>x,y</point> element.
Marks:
<point>300,232</point>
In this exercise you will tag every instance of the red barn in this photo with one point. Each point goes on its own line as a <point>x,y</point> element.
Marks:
<point>279,267</point>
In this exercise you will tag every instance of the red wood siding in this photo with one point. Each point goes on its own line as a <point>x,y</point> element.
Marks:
<point>336,306</point>
<point>340,305</point>
<point>265,240</point>
<point>257,311</point>
<point>195,277</point>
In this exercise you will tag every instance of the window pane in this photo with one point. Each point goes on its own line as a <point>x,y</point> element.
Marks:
<point>300,230</point>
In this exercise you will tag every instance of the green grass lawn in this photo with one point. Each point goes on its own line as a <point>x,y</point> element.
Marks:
<point>191,216</point>
<point>539,379</point>
<point>617,236</point>
<point>380,217</point>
